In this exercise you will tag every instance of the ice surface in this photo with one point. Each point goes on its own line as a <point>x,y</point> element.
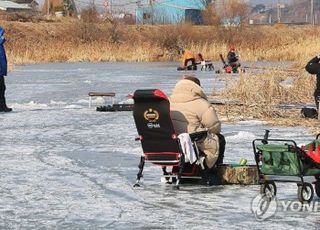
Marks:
<point>65,166</point>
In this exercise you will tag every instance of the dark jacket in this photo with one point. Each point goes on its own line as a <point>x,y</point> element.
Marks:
<point>313,66</point>
<point>232,57</point>
<point>3,57</point>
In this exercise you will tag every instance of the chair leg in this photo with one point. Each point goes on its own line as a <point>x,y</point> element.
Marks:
<point>165,173</point>
<point>139,175</point>
<point>164,170</point>
<point>181,167</point>
<point>204,176</point>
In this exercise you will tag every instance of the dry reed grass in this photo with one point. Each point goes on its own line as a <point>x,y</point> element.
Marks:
<point>261,95</point>
<point>78,41</point>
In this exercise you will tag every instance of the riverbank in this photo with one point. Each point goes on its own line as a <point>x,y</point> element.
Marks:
<point>276,97</point>
<point>76,41</point>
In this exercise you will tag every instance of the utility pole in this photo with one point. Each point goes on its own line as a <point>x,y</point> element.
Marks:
<point>152,12</point>
<point>138,19</point>
<point>270,19</point>
<point>224,8</point>
<point>138,3</point>
<point>106,7</point>
<point>111,8</point>
<point>312,12</point>
<point>48,7</point>
<point>279,11</point>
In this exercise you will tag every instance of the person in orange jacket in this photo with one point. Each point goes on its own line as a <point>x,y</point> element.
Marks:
<point>188,56</point>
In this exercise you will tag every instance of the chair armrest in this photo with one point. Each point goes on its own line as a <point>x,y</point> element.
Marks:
<point>198,135</point>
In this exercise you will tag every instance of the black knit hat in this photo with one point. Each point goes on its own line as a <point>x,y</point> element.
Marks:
<point>194,79</point>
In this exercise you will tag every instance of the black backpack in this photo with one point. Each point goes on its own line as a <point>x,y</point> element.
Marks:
<point>232,57</point>
<point>312,68</point>
<point>309,113</point>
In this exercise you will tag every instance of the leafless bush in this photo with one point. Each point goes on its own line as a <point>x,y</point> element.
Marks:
<point>27,16</point>
<point>90,14</point>
<point>157,36</point>
<point>113,29</point>
<point>211,17</point>
<point>114,32</point>
<point>87,32</point>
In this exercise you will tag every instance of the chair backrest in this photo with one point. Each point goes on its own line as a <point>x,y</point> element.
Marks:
<point>154,125</point>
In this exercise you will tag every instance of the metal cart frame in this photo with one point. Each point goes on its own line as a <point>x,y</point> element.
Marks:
<point>267,181</point>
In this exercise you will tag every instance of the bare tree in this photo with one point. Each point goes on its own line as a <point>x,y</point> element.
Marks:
<point>210,16</point>
<point>89,14</point>
<point>237,9</point>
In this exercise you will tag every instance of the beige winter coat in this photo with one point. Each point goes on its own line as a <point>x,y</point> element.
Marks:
<point>191,112</point>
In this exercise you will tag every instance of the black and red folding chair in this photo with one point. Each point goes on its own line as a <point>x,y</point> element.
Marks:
<point>158,138</point>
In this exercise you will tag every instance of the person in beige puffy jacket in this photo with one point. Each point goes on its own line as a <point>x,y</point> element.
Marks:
<point>192,112</point>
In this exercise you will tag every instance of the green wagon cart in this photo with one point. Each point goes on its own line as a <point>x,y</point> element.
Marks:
<point>280,160</point>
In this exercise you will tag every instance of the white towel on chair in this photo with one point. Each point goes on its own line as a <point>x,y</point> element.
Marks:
<point>187,148</point>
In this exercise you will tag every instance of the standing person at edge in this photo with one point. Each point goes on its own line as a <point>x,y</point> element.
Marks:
<point>191,112</point>
<point>313,67</point>
<point>3,72</point>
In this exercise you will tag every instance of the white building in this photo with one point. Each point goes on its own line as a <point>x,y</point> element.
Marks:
<point>10,6</point>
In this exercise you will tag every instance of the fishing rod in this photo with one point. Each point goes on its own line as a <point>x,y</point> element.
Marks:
<point>223,61</point>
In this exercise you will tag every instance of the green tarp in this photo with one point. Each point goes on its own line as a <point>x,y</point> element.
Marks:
<point>279,160</point>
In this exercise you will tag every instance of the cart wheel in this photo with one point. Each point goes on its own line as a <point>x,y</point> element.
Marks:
<point>317,187</point>
<point>305,193</point>
<point>268,189</point>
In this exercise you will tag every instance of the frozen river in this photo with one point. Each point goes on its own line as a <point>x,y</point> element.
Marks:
<point>65,166</point>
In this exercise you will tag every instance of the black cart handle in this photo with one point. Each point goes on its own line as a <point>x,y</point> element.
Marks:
<point>266,136</point>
